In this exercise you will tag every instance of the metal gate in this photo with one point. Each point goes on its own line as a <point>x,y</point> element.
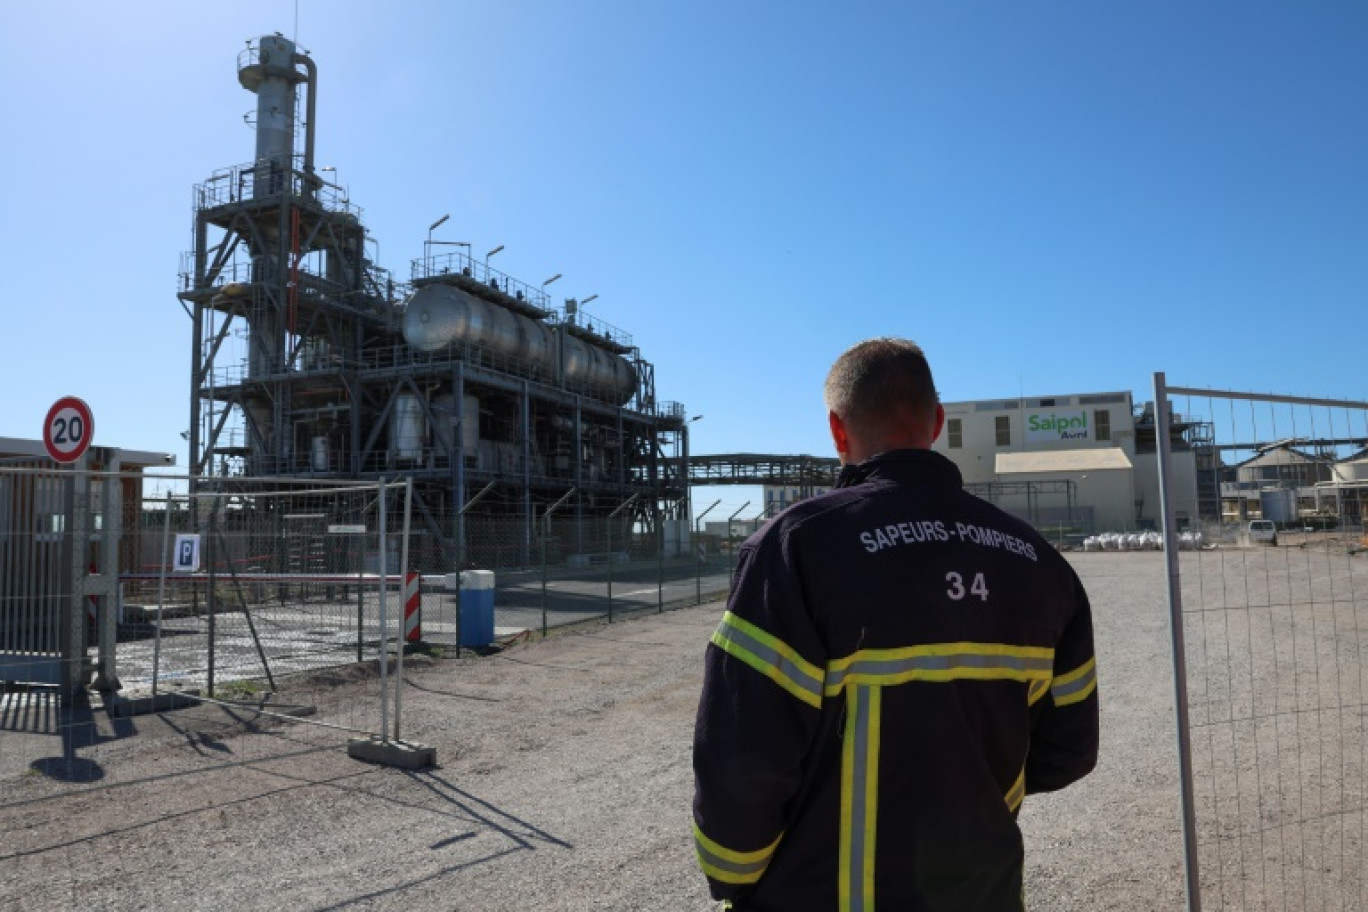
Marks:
<point>1269,623</point>
<point>58,533</point>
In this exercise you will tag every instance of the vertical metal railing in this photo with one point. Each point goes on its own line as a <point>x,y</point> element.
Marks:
<point>1175,603</point>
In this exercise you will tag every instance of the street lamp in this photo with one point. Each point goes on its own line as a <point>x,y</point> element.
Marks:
<point>487,279</point>
<point>491,253</point>
<point>545,296</point>
<point>427,247</point>
<point>698,547</point>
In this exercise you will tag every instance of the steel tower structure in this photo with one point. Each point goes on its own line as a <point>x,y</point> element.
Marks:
<point>308,360</point>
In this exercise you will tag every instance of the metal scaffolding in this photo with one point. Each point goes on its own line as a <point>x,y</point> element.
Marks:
<point>308,361</point>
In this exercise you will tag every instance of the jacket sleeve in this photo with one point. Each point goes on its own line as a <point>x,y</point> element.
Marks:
<point>1064,733</point>
<point>757,718</point>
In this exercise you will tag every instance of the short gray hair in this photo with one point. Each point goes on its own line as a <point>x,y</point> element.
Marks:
<point>879,383</point>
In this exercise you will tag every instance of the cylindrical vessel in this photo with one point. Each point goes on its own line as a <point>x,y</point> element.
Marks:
<point>408,428</point>
<point>598,371</point>
<point>1279,504</point>
<point>437,315</point>
<point>271,74</point>
<point>470,424</point>
<point>318,453</point>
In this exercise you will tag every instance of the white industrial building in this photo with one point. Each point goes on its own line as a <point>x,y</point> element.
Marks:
<point>1075,464</point>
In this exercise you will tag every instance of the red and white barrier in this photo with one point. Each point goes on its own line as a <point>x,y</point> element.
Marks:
<point>413,609</point>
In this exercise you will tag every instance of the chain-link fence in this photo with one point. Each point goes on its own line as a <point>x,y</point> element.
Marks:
<point>230,599</point>
<point>559,569</point>
<point>221,599</point>
<point>1270,624</point>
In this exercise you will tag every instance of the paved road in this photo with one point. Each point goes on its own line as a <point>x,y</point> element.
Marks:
<point>335,627</point>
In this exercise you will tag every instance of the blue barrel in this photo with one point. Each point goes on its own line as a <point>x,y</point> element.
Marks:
<point>477,608</point>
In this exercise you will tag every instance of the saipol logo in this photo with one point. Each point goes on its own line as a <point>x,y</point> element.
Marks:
<point>1054,426</point>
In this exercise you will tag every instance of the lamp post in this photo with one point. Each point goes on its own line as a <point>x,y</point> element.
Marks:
<point>698,548</point>
<point>427,247</point>
<point>489,254</point>
<point>684,466</point>
<point>580,305</point>
<point>545,297</point>
<point>730,538</point>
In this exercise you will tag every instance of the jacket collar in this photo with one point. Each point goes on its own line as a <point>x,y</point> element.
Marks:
<point>903,466</point>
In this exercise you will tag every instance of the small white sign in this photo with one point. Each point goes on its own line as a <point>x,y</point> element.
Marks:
<point>346,529</point>
<point>186,558</point>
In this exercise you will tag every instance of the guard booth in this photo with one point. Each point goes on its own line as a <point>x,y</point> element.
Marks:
<point>61,541</point>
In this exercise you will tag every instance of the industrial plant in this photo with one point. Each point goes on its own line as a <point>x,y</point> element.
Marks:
<point>312,361</point>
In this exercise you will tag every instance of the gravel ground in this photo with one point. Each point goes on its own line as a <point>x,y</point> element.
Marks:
<point>563,783</point>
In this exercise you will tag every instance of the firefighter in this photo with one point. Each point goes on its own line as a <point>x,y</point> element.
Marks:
<point>900,664</point>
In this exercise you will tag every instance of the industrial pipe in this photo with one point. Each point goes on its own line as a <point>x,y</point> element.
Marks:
<point>311,70</point>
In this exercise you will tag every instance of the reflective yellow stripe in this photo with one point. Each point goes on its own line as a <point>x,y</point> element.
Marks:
<point>940,662</point>
<point>1076,686</point>
<point>729,866</point>
<point>770,656</point>
<point>1017,793</point>
<point>859,798</point>
<point>1037,689</point>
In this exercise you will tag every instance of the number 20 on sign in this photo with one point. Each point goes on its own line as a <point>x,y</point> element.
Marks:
<point>68,429</point>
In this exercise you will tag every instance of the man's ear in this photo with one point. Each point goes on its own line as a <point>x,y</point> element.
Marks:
<point>838,433</point>
<point>940,422</point>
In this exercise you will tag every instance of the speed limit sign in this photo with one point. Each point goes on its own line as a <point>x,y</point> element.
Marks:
<point>68,429</point>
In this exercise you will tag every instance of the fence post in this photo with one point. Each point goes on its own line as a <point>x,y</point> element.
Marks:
<point>161,593</point>
<point>545,524</point>
<point>546,528</point>
<point>210,598</point>
<point>361,595</point>
<point>611,516</point>
<point>402,639</point>
<point>698,553</point>
<point>731,543</point>
<point>1175,600</point>
<point>384,627</point>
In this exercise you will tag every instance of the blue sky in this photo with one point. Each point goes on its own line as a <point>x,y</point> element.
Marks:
<point>1051,197</point>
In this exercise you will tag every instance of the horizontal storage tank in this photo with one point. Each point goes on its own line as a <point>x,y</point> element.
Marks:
<point>612,377</point>
<point>436,316</point>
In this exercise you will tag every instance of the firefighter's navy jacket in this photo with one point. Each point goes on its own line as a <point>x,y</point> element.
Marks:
<point>900,664</point>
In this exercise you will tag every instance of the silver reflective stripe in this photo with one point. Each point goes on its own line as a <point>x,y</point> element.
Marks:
<point>943,662</point>
<point>729,866</point>
<point>771,657</point>
<point>1075,686</point>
